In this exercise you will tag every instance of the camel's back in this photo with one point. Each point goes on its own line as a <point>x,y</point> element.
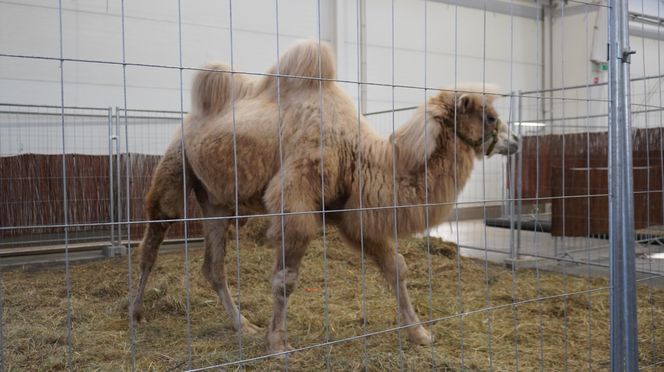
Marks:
<point>259,150</point>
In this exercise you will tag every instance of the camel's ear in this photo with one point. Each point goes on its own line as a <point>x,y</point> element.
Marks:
<point>465,102</point>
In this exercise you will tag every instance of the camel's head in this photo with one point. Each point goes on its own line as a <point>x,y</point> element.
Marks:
<point>465,115</point>
<point>476,122</point>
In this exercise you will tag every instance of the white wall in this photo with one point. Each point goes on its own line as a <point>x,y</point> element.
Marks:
<point>92,30</point>
<point>572,48</point>
<point>498,51</point>
<point>462,45</point>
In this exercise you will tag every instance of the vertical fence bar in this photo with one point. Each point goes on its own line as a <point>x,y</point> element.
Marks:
<point>65,197</point>
<point>624,355</point>
<point>519,180</point>
<point>111,201</point>
<point>238,258</point>
<point>395,199</point>
<point>326,311</point>
<point>362,50</point>
<point>2,325</point>
<point>185,194</point>
<point>361,106</point>
<point>118,181</point>
<point>511,161</point>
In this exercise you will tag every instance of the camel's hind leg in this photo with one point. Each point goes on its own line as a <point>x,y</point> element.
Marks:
<point>163,202</point>
<point>213,264</point>
<point>154,235</point>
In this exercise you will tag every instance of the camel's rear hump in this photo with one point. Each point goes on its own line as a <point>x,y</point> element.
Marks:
<point>306,64</point>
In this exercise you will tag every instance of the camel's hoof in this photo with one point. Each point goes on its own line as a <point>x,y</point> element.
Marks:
<point>420,336</point>
<point>248,328</point>
<point>283,348</point>
<point>277,344</point>
<point>137,314</point>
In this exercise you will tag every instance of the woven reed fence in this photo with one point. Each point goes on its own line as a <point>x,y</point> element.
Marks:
<point>32,196</point>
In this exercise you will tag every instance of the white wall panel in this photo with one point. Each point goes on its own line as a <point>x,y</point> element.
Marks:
<point>491,47</point>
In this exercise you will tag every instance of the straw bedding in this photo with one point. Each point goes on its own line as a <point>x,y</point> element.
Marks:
<point>553,333</point>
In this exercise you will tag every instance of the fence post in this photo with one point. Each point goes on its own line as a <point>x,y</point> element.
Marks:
<point>118,183</point>
<point>519,180</point>
<point>115,248</point>
<point>2,326</point>
<point>512,183</point>
<point>111,194</point>
<point>624,353</point>
<point>515,184</point>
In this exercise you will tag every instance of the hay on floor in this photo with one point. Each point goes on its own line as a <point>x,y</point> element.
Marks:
<point>555,332</point>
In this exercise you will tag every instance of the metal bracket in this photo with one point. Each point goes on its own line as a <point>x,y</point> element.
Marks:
<point>627,55</point>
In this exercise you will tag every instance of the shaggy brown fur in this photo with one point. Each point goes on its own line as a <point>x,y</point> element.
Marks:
<point>264,135</point>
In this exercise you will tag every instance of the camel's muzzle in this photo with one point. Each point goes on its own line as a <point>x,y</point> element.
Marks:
<point>502,142</point>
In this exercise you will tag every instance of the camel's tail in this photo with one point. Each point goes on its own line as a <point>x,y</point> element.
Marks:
<point>213,89</point>
<point>306,64</point>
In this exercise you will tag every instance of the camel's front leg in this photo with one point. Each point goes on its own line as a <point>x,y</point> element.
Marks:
<point>395,270</point>
<point>298,231</point>
<point>291,233</point>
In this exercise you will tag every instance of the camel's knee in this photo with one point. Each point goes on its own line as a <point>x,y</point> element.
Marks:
<point>215,252</point>
<point>394,267</point>
<point>208,272</point>
<point>154,235</point>
<point>402,268</point>
<point>283,282</point>
<point>214,272</point>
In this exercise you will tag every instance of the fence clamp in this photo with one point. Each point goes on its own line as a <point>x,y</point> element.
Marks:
<point>627,55</point>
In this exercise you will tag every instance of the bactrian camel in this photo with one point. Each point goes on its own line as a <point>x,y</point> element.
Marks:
<point>254,143</point>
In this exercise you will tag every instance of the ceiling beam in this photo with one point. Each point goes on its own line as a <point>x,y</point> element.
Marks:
<point>498,6</point>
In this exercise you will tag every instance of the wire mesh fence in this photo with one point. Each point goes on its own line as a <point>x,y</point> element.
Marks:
<point>443,229</point>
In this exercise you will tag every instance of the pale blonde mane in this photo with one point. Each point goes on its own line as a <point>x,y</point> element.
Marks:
<point>415,141</point>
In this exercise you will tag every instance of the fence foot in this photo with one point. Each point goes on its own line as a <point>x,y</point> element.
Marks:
<point>114,250</point>
<point>522,263</point>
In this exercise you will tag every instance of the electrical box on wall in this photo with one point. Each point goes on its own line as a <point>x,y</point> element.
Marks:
<point>598,57</point>
<point>600,67</point>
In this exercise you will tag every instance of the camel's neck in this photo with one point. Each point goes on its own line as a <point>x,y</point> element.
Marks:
<point>450,166</point>
<point>447,170</point>
<point>448,157</point>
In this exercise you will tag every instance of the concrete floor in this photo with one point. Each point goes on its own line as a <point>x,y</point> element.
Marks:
<point>572,255</point>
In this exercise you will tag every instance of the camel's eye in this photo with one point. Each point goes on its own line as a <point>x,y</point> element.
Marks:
<point>491,119</point>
